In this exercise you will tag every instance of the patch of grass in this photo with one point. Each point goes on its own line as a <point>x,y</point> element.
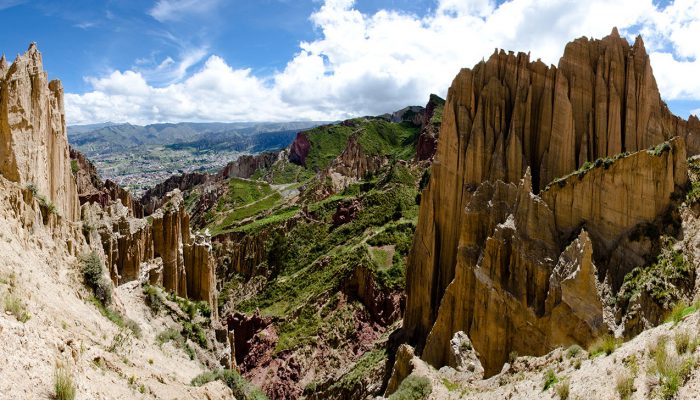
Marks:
<point>550,379</point>
<point>624,385</point>
<point>241,388</point>
<point>573,351</point>
<point>605,344</point>
<point>353,379</point>
<point>176,337</point>
<point>682,341</point>
<point>63,385</point>
<point>673,370</point>
<point>195,332</point>
<point>680,311</point>
<point>562,389</point>
<point>413,388</point>
<point>15,306</point>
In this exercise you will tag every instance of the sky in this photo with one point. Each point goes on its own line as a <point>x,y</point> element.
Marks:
<point>144,61</point>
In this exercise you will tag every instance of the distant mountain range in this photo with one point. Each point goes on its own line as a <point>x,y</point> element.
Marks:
<point>238,136</point>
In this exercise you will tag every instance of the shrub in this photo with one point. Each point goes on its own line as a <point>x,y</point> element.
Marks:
<point>624,384</point>
<point>682,341</point>
<point>74,167</point>
<point>680,311</point>
<point>64,388</point>
<point>16,307</point>
<point>512,356</point>
<point>573,351</point>
<point>134,327</point>
<point>413,388</point>
<point>241,388</point>
<point>606,344</point>
<point>153,298</point>
<point>550,379</point>
<point>94,277</point>
<point>195,332</point>
<point>563,389</point>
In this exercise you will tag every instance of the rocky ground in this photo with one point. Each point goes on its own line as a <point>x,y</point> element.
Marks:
<point>48,322</point>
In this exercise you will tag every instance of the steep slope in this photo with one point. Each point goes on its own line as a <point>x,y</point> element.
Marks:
<point>490,256</point>
<point>62,316</point>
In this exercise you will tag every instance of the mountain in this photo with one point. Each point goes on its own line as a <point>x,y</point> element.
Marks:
<point>108,137</point>
<point>555,185</point>
<point>534,235</point>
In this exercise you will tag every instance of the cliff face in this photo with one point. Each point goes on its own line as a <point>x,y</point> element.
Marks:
<point>188,264</point>
<point>154,197</point>
<point>33,141</point>
<point>490,256</point>
<point>245,166</point>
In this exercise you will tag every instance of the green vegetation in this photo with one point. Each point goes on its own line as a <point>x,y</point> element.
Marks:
<point>665,280</point>
<point>550,379</point>
<point>673,370</point>
<point>15,306</point>
<point>624,385</point>
<point>680,311</point>
<point>63,386</point>
<point>413,388</point>
<point>563,389</point>
<point>573,351</point>
<point>241,388</point>
<point>605,344</point>
<point>659,149</point>
<point>74,166</point>
<point>243,199</point>
<point>176,337</point>
<point>154,298</point>
<point>94,277</point>
<point>371,361</point>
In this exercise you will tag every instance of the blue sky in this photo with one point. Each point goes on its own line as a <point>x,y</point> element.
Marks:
<point>230,60</point>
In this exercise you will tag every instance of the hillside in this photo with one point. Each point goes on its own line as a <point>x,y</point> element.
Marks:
<point>138,157</point>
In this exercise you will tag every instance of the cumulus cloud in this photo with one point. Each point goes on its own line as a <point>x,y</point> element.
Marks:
<point>174,10</point>
<point>368,64</point>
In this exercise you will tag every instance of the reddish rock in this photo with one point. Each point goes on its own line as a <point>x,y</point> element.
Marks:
<point>346,212</point>
<point>299,149</point>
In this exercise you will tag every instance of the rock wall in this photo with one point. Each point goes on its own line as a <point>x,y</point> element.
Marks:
<point>154,197</point>
<point>188,263</point>
<point>246,165</point>
<point>33,141</point>
<point>487,249</point>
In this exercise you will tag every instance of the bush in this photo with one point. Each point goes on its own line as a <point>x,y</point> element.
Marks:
<point>16,307</point>
<point>573,351</point>
<point>94,277</point>
<point>563,389</point>
<point>413,388</point>
<point>680,311</point>
<point>153,298</point>
<point>241,388</point>
<point>550,379</point>
<point>673,371</point>
<point>624,384</point>
<point>64,388</point>
<point>604,345</point>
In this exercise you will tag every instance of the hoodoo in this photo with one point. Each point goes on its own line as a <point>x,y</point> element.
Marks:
<point>540,175</point>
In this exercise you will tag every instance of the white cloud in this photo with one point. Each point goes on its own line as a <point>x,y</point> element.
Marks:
<point>369,64</point>
<point>174,10</point>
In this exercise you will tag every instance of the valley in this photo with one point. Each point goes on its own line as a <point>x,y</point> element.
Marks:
<point>533,235</point>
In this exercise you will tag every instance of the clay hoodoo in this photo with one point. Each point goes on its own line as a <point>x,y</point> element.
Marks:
<point>516,270</point>
<point>33,141</point>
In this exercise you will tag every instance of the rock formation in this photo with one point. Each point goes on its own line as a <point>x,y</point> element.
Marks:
<point>519,271</point>
<point>153,199</point>
<point>246,165</point>
<point>33,141</point>
<point>188,264</point>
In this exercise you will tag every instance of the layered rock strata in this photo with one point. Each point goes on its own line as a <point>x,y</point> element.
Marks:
<point>515,270</point>
<point>33,141</point>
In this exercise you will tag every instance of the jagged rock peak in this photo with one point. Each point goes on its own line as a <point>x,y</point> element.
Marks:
<point>33,140</point>
<point>487,243</point>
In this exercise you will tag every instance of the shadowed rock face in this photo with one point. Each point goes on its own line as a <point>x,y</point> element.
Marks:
<point>33,141</point>
<point>299,149</point>
<point>513,269</point>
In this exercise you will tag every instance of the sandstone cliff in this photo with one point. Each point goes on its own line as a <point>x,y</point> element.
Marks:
<point>490,256</point>
<point>33,141</point>
<point>188,264</point>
